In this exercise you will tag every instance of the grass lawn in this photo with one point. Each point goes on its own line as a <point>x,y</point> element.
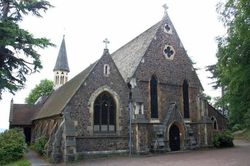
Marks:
<point>21,162</point>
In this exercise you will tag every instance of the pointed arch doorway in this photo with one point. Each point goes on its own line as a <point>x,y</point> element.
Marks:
<point>174,138</point>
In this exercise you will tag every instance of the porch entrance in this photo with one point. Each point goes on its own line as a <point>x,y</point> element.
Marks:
<point>174,138</point>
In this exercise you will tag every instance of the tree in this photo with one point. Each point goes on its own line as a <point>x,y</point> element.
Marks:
<point>44,88</point>
<point>232,70</point>
<point>18,55</point>
<point>207,97</point>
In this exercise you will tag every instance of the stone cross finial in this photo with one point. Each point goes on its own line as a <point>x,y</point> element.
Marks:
<point>165,6</point>
<point>106,42</point>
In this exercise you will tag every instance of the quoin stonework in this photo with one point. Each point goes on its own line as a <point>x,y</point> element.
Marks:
<point>151,76</point>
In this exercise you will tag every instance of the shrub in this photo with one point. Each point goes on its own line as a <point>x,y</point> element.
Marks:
<point>12,145</point>
<point>247,119</point>
<point>236,127</point>
<point>39,145</point>
<point>223,139</point>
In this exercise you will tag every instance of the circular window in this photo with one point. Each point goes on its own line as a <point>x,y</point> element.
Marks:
<point>169,52</point>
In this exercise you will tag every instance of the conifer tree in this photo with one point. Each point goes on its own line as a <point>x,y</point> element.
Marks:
<point>18,55</point>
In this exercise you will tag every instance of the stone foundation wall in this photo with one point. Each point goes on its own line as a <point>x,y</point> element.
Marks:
<point>101,143</point>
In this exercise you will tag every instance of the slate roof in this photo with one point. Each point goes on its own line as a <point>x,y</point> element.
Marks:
<point>60,97</point>
<point>128,57</point>
<point>22,114</point>
<point>62,60</point>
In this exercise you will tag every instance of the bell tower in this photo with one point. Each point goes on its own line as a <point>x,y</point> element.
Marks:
<point>61,69</point>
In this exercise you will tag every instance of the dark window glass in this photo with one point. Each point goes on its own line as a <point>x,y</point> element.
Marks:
<point>215,125</point>
<point>104,113</point>
<point>185,99</point>
<point>154,97</point>
<point>97,114</point>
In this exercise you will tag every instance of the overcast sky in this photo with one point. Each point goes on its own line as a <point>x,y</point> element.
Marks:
<point>86,23</point>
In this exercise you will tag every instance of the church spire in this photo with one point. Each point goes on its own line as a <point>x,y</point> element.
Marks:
<point>62,60</point>
<point>61,68</point>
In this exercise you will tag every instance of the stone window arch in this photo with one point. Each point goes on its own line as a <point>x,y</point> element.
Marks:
<point>185,93</point>
<point>62,79</point>
<point>154,96</point>
<point>215,124</point>
<point>167,29</point>
<point>57,79</point>
<point>169,52</point>
<point>104,113</point>
<point>106,70</point>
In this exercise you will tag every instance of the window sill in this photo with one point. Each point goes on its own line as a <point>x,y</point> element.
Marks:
<point>154,121</point>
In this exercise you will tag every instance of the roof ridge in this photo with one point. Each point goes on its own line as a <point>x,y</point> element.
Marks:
<point>135,38</point>
<point>82,81</point>
<point>74,90</point>
<point>129,55</point>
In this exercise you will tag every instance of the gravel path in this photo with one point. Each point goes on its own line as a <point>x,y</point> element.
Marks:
<point>35,159</point>
<point>237,156</point>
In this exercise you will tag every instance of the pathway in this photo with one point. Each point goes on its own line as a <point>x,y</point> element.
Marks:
<point>35,159</point>
<point>237,156</point>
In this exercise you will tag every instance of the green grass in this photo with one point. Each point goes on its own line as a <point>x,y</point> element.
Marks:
<point>21,162</point>
<point>244,135</point>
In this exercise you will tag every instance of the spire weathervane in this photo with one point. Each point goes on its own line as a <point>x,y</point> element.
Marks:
<point>106,42</point>
<point>165,6</point>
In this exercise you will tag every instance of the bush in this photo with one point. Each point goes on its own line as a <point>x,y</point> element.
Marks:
<point>223,139</point>
<point>236,127</point>
<point>247,119</point>
<point>39,145</point>
<point>12,145</point>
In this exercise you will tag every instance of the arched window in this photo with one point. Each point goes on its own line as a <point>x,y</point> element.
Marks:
<point>154,97</point>
<point>215,126</point>
<point>185,99</point>
<point>62,80</point>
<point>106,70</point>
<point>57,79</point>
<point>104,113</point>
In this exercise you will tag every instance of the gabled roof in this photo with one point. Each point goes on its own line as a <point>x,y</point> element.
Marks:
<point>60,97</point>
<point>22,114</point>
<point>62,60</point>
<point>128,57</point>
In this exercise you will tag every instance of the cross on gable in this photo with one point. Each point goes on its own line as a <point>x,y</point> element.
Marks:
<point>165,7</point>
<point>106,42</point>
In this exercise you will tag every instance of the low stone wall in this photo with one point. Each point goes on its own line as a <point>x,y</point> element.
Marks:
<point>101,143</point>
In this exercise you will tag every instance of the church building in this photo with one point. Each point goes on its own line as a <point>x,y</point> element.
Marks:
<point>145,97</point>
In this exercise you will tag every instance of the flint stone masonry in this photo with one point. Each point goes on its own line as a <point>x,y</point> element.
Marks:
<point>67,116</point>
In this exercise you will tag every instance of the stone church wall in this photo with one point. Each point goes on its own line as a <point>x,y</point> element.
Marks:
<point>82,103</point>
<point>221,120</point>
<point>45,127</point>
<point>170,75</point>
